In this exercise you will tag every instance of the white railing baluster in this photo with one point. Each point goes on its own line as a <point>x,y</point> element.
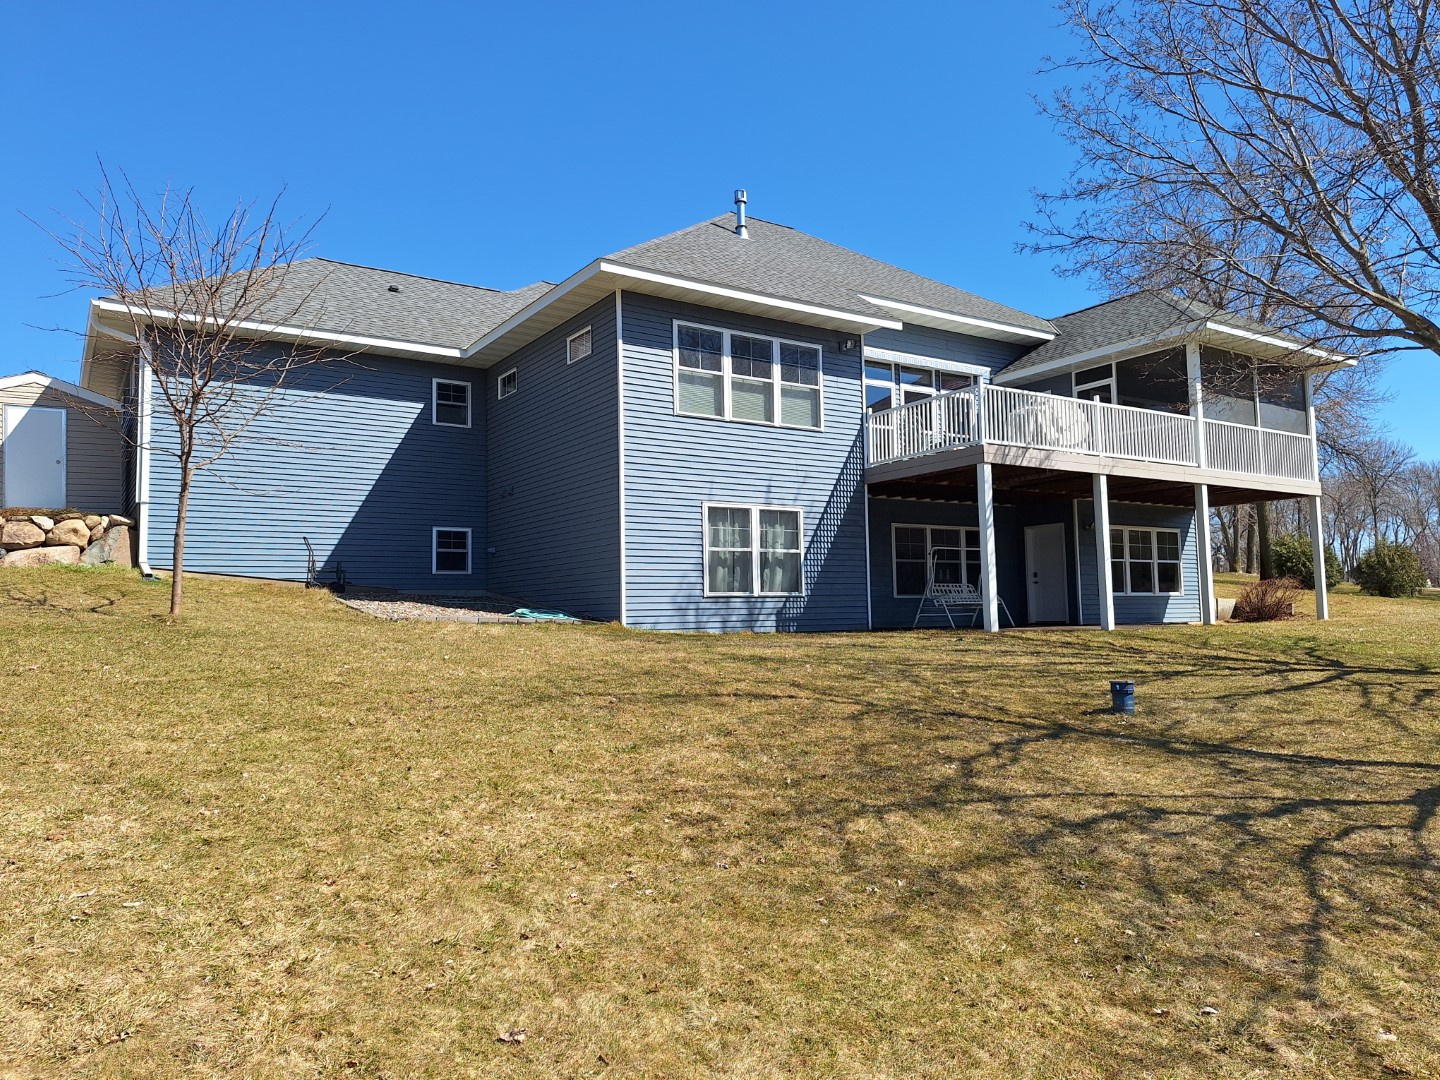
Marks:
<point>1011,417</point>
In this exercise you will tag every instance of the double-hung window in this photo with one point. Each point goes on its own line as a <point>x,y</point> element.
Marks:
<point>450,406</point>
<point>956,552</point>
<point>750,377</point>
<point>752,551</point>
<point>450,552</point>
<point>1145,562</point>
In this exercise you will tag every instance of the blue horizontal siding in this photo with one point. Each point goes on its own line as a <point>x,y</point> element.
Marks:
<point>1143,609</point>
<point>554,472</point>
<point>674,464</point>
<point>944,345</point>
<point>347,456</point>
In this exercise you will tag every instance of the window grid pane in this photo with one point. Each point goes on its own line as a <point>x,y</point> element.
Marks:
<point>452,551</point>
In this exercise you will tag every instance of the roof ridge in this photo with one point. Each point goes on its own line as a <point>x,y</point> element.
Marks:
<point>421,277</point>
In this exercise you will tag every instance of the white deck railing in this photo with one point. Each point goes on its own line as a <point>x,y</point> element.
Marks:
<point>1261,451</point>
<point>1010,417</point>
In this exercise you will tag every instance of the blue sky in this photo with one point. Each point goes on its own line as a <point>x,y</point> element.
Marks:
<point>498,144</point>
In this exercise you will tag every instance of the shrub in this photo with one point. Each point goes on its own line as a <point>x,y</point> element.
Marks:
<point>1267,600</point>
<point>1294,558</point>
<point>1390,570</point>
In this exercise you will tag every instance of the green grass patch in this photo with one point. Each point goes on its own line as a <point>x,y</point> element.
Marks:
<point>283,838</point>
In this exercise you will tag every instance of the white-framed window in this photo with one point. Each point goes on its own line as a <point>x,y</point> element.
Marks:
<point>888,385</point>
<point>577,345</point>
<point>508,383</point>
<point>956,550</point>
<point>748,377</point>
<point>449,551</point>
<point>1145,562</point>
<point>753,550</point>
<point>449,403</point>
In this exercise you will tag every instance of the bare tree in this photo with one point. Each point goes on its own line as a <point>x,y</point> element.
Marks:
<point>193,297</point>
<point>1279,154</point>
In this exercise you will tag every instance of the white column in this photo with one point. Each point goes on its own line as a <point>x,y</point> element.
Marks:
<point>1197,399</point>
<point>989,579</point>
<point>1102,551</point>
<point>1202,544</point>
<point>1317,552</point>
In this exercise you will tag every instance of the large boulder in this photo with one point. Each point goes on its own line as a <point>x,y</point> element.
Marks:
<point>21,534</point>
<point>112,548</point>
<point>42,522</point>
<point>92,521</point>
<point>71,531</point>
<point>120,519</point>
<point>41,556</point>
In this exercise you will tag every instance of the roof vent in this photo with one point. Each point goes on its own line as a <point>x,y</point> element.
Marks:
<point>740,200</point>
<point>394,288</point>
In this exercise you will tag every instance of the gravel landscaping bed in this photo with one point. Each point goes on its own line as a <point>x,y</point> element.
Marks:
<point>387,604</point>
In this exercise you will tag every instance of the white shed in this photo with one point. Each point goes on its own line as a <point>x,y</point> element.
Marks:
<point>60,446</point>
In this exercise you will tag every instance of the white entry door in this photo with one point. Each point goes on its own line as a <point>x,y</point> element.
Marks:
<point>34,451</point>
<point>1047,580</point>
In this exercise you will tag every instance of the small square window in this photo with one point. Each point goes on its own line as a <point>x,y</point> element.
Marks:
<point>452,551</point>
<point>577,346</point>
<point>451,403</point>
<point>509,383</point>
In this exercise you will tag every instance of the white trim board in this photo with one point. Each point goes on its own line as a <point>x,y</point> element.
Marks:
<point>962,324</point>
<point>49,382</point>
<point>958,367</point>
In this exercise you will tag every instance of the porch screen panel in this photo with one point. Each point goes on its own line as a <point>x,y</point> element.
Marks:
<point>729,567</point>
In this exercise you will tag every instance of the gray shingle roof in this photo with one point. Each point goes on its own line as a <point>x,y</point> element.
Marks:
<point>780,261</point>
<point>1146,314</point>
<point>322,294</point>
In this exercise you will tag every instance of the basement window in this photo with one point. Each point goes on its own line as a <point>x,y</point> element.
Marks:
<point>451,551</point>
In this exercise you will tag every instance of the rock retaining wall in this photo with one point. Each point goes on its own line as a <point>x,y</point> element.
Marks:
<point>70,537</point>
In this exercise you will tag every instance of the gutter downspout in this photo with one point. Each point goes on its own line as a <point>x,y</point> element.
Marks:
<point>142,463</point>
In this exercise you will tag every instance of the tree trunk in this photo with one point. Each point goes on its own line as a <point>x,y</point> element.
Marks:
<point>177,566</point>
<point>1262,531</point>
<point>1252,545</point>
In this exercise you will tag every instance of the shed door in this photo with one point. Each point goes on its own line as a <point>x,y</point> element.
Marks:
<point>1048,582</point>
<point>34,449</point>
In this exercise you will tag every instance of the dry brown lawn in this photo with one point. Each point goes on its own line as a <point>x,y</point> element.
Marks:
<point>285,839</point>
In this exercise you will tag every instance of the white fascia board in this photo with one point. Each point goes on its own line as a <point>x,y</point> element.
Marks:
<point>614,275</point>
<point>961,322</point>
<point>870,322</point>
<point>569,285</point>
<point>35,378</point>
<point>1079,360</point>
<point>283,331</point>
<point>1338,359</point>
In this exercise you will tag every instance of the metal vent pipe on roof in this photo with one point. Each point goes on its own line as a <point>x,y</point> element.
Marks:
<point>740,200</point>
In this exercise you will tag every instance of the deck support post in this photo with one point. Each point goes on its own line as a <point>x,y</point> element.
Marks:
<point>1202,555</point>
<point>989,578</point>
<point>1102,551</point>
<point>1317,552</point>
